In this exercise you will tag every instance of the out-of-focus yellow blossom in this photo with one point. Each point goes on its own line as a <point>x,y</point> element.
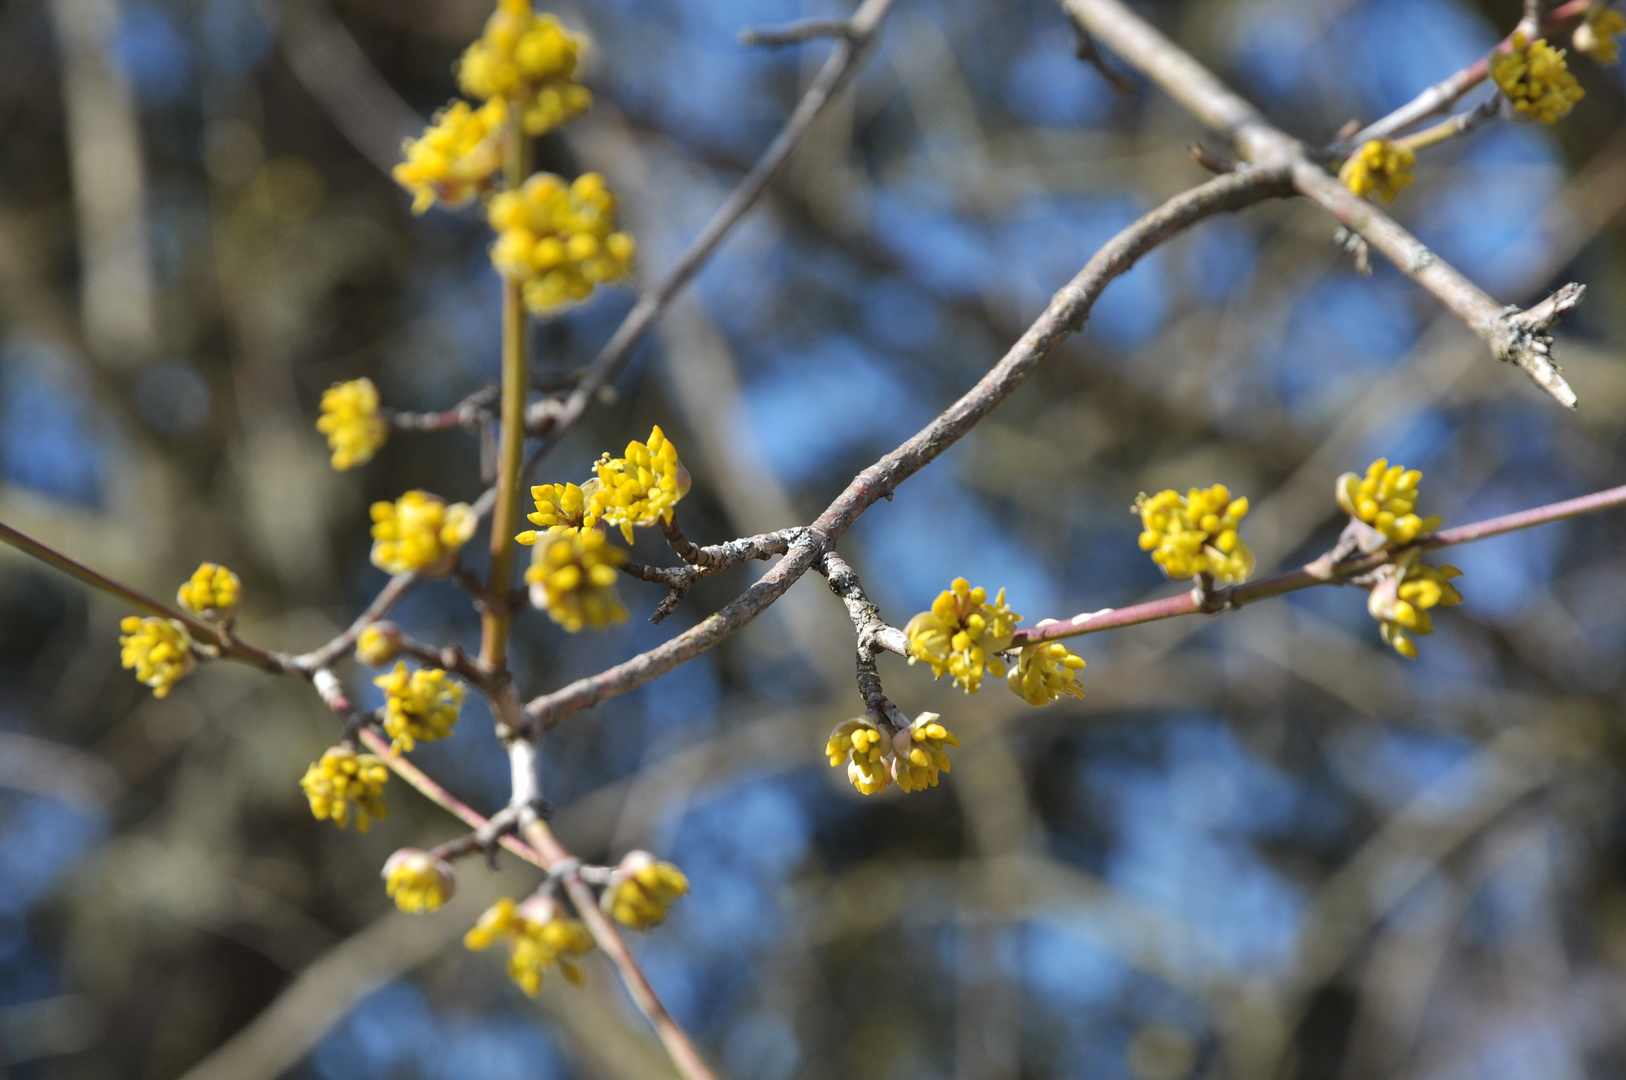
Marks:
<point>1385,499</point>
<point>572,577</point>
<point>1596,35</point>
<point>1378,168</point>
<point>1196,533</point>
<point>378,643</point>
<point>1045,671</point>
<point>160,651</point>
<point>419,706</point>
<point>456,156</point>
<point>419,533</point>
<point>418,881</point>
<point>559,507</point>
<point>639,488</point>
<point>641,891</point>
<point>962,634</point>
<point>866,750</point>
<point>919,754</point>
<point>530,59</point>
<point>351,422</point>
<point>538,935</point>
<point>559,239</point>
<point>345,783</point>
<point>1401,601</point>
<point>1536,79</point>
<point>212,591</point>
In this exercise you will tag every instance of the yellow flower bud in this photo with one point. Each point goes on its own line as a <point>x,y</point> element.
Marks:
<point>528,58</point>
<point>212,591</point>
<point>456,157</point>
<point>641,488</point>
<point>418,881</point>
<point>538,936</point>
<point>378,643</point>
<point>1536,79</point>
<point>572,576</point>
<point>558,239</point>
<point>1045,671</point>
<point>418,706</point>
<point>1386,499</point>
<point>419,533</point>
<point>641,891</point>
<point>963,634</point>
<point>160,651</point>
<point>350,419</point>
<point>345,783</point>
<point>1196,533</point>
<point>1378,168</point>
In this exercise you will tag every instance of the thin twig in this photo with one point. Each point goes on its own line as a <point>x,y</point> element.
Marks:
<point>386,599</point>
<point>806,30</point>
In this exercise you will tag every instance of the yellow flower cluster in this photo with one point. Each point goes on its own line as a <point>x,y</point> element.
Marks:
<point>378,643</point>
<point>211,590</point>
<point>1045,672</point>
<point>1196,533</point>
<point>419,533</point>
<point>559,507</point>
<point>345,782</point>
<point>963,634</point>
<point>913,755</point>
<point>160,651</point>
<point>351,422</point>
<point>559,239</point>
<point>1401,601</point>
<point>1385,499</point>
<point>639,488</point>
<point>641,891</point>
<point>1595,37</point>
<point>1381,168</point>
<point>1536,79</point>
<point>529,59</point>
<point>419,706</point>
<point>456,156</point>
<point>538,936</point>
<point>418,881</point>
<point>572,577</point>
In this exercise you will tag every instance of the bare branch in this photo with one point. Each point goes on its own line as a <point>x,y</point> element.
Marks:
<point>806,30</point>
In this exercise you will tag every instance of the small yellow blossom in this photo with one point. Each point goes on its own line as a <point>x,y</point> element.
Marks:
<point>456,156</point>
<point>641,891</point>
<point>962,634</point>
<point>538,935</point>
<point>1381,168</point>
<point>559,239</point>
<point>918,753</point>
<point>558,507</point>
<point>528,58</point>
<point>418,881</point>
<point>1045,671</point>
<point>1595,37</point>
<point>419,533</point>
<point>639,488</point>
<point>1536,79</point>
<point>572,577</point>
<point>344,782</point>
<point>378,643</point>
<point>211,590</point>
<point>419,706</point>
<point>866,751</point>
<point>1402,599</point>
<point>351,422</point>
<point>1196,533</point>
<point>160,651</point>
<point>1385,499</point>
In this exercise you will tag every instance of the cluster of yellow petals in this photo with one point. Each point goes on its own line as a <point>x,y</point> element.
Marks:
<point>963,634</point>
<point>1196,533</point>
<point>572,577</point>
<point>351,422</point>
<point>456,156</point>
<point>211,590</point>
<point>1595,37</point>
<point>1386,498</point>
<point>160,651</point>
<point>641,891</point>
<point>1401,601</point>
<point>876,756</point>
<point>1536,79</point>
<point>378,644</point>
<point>345,783</point>
<point>639,488</point>
<point>529,59</point>
<point>538,936</point>
<point>419,706</point>
<point>418,881</point>
<point>419,533</point>
<point>1378,168</point>
<point>558,507</point>
<point>559,239</point>
<point>1045,671</point>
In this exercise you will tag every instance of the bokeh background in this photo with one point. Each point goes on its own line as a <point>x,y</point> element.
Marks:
<point>1263,845</point>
